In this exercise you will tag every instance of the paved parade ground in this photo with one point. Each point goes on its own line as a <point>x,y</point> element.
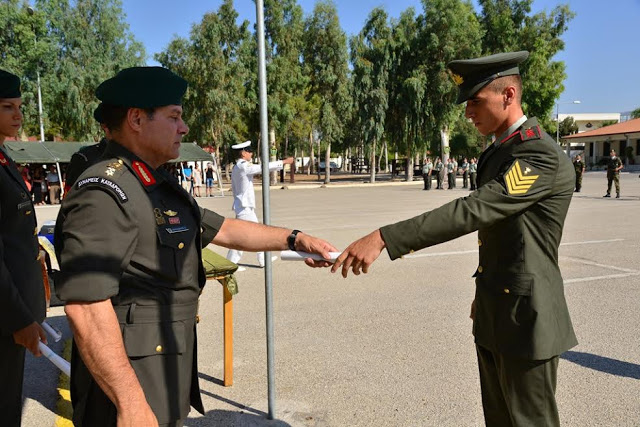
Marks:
<point>394,347</point>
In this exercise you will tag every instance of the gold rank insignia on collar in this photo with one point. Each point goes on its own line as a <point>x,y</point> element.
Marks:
<point>457,79</point>
<point>170,213</point>
<point>519,182</point>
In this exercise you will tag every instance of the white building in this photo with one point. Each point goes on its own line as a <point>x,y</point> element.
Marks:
<point>591,121</point>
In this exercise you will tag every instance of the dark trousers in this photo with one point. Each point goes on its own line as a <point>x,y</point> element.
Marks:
<point>472,180</point>
<point>451,178</point>
<point>11,373</point>
<point>465,179</point>
<point>438,181</point>
<point>579,181</point>
<point>517,392</point>
<point>427,182</point>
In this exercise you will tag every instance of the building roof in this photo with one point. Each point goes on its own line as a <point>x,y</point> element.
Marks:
<point>630,126</point>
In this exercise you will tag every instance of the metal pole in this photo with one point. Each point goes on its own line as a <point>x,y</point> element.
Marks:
<point>266,215</point>
<point>40,108</point>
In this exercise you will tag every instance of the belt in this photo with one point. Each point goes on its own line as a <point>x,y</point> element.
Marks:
<point>133,313</point>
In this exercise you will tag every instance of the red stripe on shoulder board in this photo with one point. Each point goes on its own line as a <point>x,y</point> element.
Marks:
<point>3,159</point>
<point>143,173</point>
<point>510,136</point>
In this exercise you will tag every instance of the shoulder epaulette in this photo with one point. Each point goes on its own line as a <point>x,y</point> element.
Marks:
<point>531,133</point>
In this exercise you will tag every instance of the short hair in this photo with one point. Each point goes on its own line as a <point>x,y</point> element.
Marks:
<point>501,83</point>
<point>113,115</point>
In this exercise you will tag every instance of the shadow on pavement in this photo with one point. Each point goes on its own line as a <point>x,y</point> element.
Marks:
<point>219,417</point>
<point>603,364</point>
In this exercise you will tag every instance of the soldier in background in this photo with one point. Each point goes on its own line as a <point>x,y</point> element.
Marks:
<point>465,173</point>
<point>473,171</point>
<point>426,173</point>
<point>521,322</point>
<point>614,166</point>
<point>451,177</point>
<point>438,169</point>
<point>578,165</point>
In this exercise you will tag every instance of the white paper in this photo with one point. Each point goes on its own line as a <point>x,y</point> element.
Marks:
<point>301,256</point>
<point>60,363</point>
<point>53,333</point>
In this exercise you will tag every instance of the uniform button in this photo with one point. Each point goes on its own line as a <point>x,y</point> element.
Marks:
<point>158,349</point>
<point>479,242</point>
<point>180,245</point>
<point>480,269</point>
<point>120,161</point>
<point>506,290</point>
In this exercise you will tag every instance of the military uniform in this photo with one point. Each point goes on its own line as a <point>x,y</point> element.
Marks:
<point>81,160</point>
<point>613,175</point>
<point>473,169</point>
<point>244,197</point>
<point>465,175</point>
<point>578,165</point>
<point>132,234</point>
<point>451,175</point>
<point>22,299</point>
<point>521,322</point>
<point>438,169</point>
<point>426,175</point>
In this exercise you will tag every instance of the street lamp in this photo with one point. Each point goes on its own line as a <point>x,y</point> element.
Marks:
<point>35,43</point>
<point>558,124</point>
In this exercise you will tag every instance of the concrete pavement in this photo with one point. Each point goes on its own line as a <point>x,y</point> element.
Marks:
<point>394,347</point>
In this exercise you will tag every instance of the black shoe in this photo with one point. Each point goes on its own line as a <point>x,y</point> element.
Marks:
<point>607,195</point>
<point>617,196</point>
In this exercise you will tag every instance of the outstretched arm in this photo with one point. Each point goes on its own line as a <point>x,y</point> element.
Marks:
<point>360,254</point>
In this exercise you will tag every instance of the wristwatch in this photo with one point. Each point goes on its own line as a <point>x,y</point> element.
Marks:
<point>291,240</point>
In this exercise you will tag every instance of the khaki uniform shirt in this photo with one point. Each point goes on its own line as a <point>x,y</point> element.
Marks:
<point>525,185</point>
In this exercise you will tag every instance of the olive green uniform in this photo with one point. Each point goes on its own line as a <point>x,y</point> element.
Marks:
<point>613,175</point>
<point>132,234</point>
<point>473,170</point>
<point>438,169</point>
<point>426,175</point>
<point>525,185</point>
<point>578,165</point>
<point>22,300</point>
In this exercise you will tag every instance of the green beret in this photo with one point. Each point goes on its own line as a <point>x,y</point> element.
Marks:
<point>143,87</point>
<point>471,75</point>
<point>97,113</point>
<point>9,85</point>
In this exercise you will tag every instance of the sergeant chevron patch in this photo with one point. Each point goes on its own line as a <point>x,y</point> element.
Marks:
<point>519,181</point>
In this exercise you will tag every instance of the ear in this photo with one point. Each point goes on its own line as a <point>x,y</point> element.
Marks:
<point>509,94</point>
<point>134,118</point>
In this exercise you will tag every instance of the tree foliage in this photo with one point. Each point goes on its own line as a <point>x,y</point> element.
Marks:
<point>568,126</point>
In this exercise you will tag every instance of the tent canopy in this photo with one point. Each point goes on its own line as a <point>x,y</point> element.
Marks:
<point>61,152</point>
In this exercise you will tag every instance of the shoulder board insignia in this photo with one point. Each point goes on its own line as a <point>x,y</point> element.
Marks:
<point>113,167</point>
<point>105,183</point>
<point>143,173</point>
<point>3,160</point>
<point>530,133</point>
<point>519,181</point>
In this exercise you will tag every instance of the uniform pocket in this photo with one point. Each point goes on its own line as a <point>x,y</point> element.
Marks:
<point>149,339</point>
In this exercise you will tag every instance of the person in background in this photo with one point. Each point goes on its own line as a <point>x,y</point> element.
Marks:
<point>473,172</point>
<point>438,168</point>
<point>187,177</point>
<point>451,174</point>
<point>579,167</point>
<point>37,186</point>
<point>209,180</point>
<point>197,181</point>
<point>426,173</point>
<point>53,182</point>
<point>465,173</point>
<point>614,166</point>
<point>22,300</point>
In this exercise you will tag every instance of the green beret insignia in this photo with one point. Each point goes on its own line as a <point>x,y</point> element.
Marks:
<point>519,180</point>
<point>457,79</point>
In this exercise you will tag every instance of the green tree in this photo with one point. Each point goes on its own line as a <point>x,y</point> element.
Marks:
<point>635,114</point>
<point>371,59</point>
<point>325,61</point>
<point>568,126</point>
<point>215,104</point>
<point>509,25</point>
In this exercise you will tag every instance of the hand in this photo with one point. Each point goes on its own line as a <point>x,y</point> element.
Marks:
<point>29,337</point>
<point>307,243</point>
<point>287,161</point>
<point>360,254</point>
<point>135,416</point>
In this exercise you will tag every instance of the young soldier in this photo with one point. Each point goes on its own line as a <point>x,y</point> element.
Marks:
<point>525,183</point>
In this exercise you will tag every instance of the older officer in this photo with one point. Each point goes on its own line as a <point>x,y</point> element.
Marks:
<point>129,241</point>
<point>22,302</point>
<point>244,198</point>
<point>525,184</point>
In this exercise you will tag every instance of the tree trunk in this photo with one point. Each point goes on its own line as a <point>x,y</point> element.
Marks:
<point>372,174</point>
<point>408,173</point>
<point>272,155</point>
<point>327,165</point>
<point>312,157</point>
<point>444,136</point>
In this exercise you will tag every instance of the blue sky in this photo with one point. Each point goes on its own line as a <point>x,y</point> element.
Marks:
<point>602,53</point>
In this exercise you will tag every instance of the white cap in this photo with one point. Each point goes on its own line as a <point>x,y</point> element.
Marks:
<point>241,145</point>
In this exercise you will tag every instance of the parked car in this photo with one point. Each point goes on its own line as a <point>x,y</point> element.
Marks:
<point>333,166</point>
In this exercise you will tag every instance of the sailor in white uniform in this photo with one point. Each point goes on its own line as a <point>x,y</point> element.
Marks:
<point>244,199</point>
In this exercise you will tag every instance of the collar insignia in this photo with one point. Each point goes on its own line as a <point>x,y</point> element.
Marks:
<point>3,160</point>
<point>143,173</point>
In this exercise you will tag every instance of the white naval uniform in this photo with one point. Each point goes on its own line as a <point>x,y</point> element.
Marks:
<point>244,197</point>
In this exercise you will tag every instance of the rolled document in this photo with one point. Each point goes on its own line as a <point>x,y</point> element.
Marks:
<point>301,256</point>
<point>60,363</point>
<point>52,331</point>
